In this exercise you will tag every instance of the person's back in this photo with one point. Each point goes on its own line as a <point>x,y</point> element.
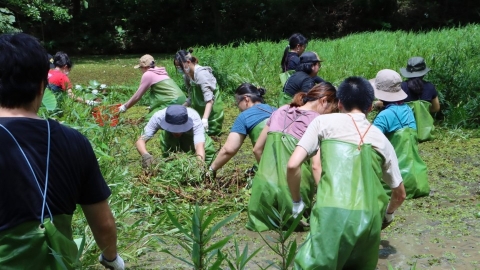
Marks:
<point>356,156</point>
<point>47,169</point>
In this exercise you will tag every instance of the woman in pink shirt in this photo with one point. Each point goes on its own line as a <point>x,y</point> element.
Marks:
<point>163,90</point>
<point>273,149</point>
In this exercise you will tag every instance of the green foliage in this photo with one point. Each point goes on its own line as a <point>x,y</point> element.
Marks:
<point>7,21</point>
<point>197,239</point>
<point>240,260</point>
<point>49,101</point>
<point>285,250</point>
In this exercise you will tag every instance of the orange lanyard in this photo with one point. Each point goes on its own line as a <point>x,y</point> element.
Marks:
<point>359,133</point>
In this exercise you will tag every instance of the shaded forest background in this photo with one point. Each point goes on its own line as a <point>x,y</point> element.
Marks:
<point>137,26</point>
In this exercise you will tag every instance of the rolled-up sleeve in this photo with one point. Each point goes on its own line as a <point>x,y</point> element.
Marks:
<point>153,125</point>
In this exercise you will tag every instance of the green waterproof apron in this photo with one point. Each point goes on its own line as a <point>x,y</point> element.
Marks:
<point>255,132</point>
<point>163,94</point>
<point>423,118</point>
<point>346,220</point>
<point>184,143</point>
<point>27,246</point>
<point>215,120</point>
<point>285,75</point>
<point>270,187</point>
<point>284,99</point>
<point>412,167</point>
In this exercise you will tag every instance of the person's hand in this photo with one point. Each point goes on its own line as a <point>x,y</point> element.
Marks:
<point>122,108</point>
<point>205,124</point>
<point>92,102</point>
<point>297,208</point>
<point>211,173</point>
<point>147,160</point>
<point>188,102</point>
<point>387,220</point>
<point>116,264</point>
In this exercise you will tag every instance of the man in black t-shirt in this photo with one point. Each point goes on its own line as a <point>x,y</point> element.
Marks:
<point>46,170</point>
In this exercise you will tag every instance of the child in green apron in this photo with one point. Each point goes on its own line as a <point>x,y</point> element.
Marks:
<point>397,122</point>
<point>182,130</point>
<point>203,91</point>
<point>347,217</point>
<point>163,90</point>
<point>252,119</point>
<point>273,149</point>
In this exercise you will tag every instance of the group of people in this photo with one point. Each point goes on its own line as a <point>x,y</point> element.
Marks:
<point>317,142</point>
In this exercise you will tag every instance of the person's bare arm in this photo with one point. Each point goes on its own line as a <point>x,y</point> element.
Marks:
<point>200,150</point>
<point>141,145</point>
<point>398,196</point>
<point>316,167</point>
<point>229,149</point>
<point>294,172</point>
<point>208,109</point>
<point>435,107</point>
<point>101,221</point>
<point>260,144</point>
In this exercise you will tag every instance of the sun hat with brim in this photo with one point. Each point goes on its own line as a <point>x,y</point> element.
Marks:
<point>145,61</point>
<point>309,57</point>
<point>416,67</point>
<point>176,119</point>
<point>387,86</point>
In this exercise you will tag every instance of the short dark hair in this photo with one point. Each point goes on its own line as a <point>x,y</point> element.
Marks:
<point>356,93</point>
<point>23,68</point>
<point>61,59</point>
<point>306,67</point>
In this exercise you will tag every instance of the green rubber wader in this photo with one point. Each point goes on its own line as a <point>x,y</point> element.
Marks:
<point>423,118</point>
<point>412,167</point>
<point>27,246</point>
<point>163,94</point>
<point>284,99</point>
<point>346,220</point>
<point>270,187</point>
<point>184,143</point>
<point>215,120</point>
<point>255,132</point>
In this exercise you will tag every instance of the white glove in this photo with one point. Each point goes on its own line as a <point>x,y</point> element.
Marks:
<point>116,264</point>
<point>297,208</point>
<point>91,102</point>
<point>122,108</point>
<point>205,123</point>
<point>387,220</point>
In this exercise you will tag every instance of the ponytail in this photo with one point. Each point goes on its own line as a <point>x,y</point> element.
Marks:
<point>284,62</point>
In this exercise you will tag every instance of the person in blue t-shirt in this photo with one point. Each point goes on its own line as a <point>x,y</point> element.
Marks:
<point>252,119</point>
<point>396,113</point>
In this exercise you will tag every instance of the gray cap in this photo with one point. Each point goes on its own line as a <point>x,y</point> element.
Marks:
<point>387,86</point>
<point>416,67</point>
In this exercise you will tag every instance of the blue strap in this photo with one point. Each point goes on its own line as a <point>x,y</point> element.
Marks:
<point>43,193</point>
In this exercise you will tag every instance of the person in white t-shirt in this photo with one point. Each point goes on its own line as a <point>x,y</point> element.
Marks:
<point>350,198</point>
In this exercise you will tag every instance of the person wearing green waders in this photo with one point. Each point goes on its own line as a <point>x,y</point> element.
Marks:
<point>273,149</point>
<point>303,79</point>
<point>182,130</point>
<point>397,122</point>
<point>254,114</point>
<point>46,170</point>
<point>203,92</point>
<point>351,203</point>
<point>163,90</point>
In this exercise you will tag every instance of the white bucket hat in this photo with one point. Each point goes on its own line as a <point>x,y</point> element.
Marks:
<point>387,86</point>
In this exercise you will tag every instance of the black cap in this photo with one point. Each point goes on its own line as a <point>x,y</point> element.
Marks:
<point>309,57</point>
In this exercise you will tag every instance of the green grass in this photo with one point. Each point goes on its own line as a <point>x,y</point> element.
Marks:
<point>139,200</point>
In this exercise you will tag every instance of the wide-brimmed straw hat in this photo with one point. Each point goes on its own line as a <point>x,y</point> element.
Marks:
<point>176,119</point>
<point>145,61</point>
<point>387,86</point>
<point>416,67</point>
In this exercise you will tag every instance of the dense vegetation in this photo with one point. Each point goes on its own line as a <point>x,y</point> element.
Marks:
<point>98,27</point>
<point>145,203</point>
